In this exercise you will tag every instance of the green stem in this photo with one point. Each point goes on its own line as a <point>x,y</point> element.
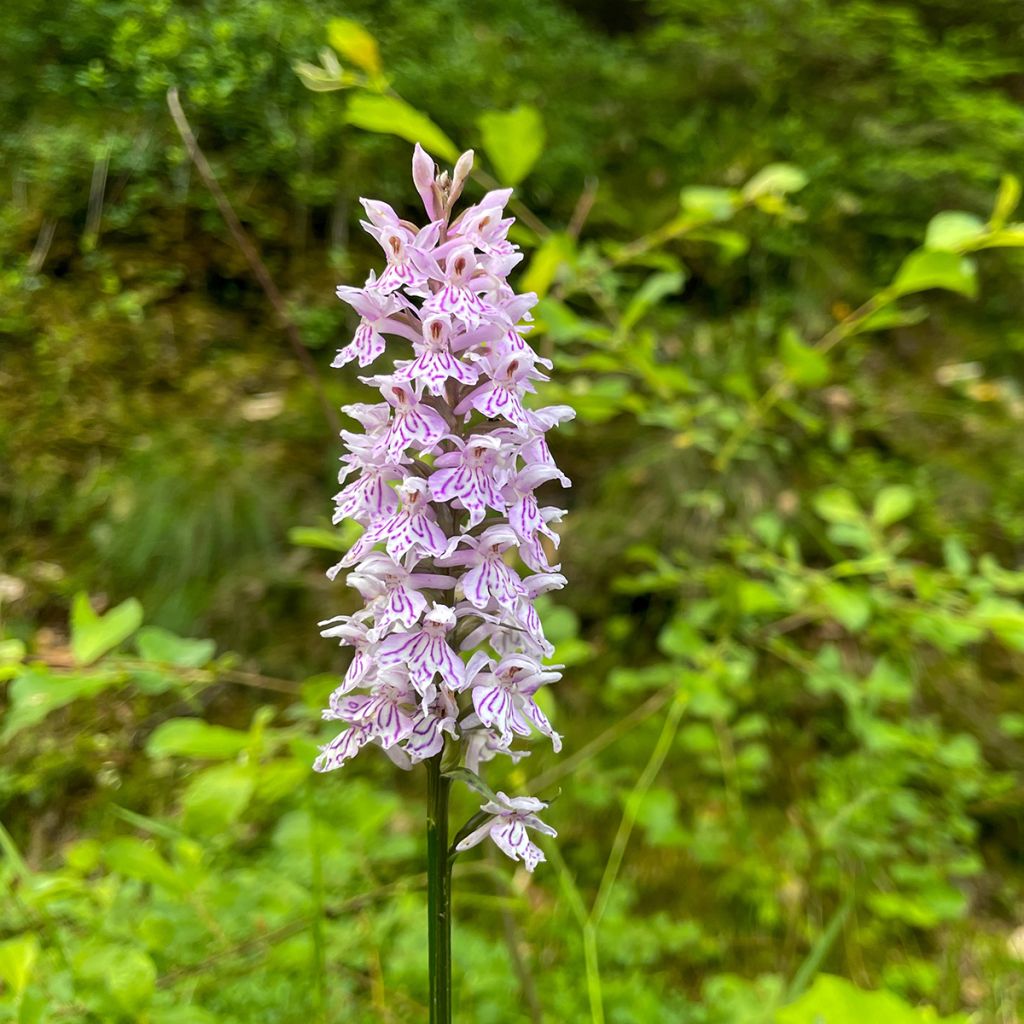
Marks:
<point>439,894</point>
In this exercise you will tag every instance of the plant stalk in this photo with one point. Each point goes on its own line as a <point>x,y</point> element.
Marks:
<point>439,894</point>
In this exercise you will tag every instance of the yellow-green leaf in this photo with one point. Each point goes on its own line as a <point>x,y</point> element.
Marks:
<point>513,141</point>
<point>951,230</point>
<point>388,115</point>
<point>924,269</point>
<point>94,635</point>
<point>355,44</point>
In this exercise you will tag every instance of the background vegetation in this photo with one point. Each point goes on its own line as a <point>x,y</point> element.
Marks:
<point>792,784</point>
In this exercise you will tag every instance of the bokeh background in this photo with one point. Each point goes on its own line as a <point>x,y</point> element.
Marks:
<point>782,284</point>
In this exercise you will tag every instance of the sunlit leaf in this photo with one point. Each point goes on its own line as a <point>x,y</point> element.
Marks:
<point>893,504</point>
<point>513,141</point>
<point>776,180</point>
<point>94,635</point>
<point>192,737</point>
<point>18,958</point>
<point>355,44</point>
<point>708,203</point>
<point>388,115</point>
<point>161,645</point>
<point>951,230</point>
<point>924,269</point>
<point>832,1000</point>
<point>803,363</point>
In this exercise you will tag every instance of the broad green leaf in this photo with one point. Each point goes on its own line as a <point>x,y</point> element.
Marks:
<point>709,203</point>
<point>893,504</point>
<point>837,505</point>
<point>832,1000</point>
<point>556,251</point>
<point>192,737</point>
<point>1006,200</point>
<point>12,651</point>
<point>217,797</point>
<point>803,363</point>
<point>649,294</point>
<point>38,690</point>
<point>94,635</point>
<point>388,115</point>
<point>513,141</point>
<point>18,958</point>
<point>124,976</point>
<point>136,858</point>
<point>775,180</point>
<point>355,44</point>
<point>951,230</point>
<point>923,269</point>
<point>161,645</point>
<point>851,607</point>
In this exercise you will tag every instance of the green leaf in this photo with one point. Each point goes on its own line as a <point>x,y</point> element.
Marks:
<point>923,269</point>
<point>328,76</point>
<point>18,958</point>
<point>513,141</point>
<point>804,364</point>
<point>192,737</point>
<point>649,294</point>
<point>471,779</point>
<point>709,203</point>
<point>951,230</point>
<point>388,115</point>
<point>93,635</point>
<point>216,797</point>
<point>893,504</point>
<point>832,1000</point>
<point>1006,200</point>
<point>837,505</point>
<point>556,251</point>
<point>891,316</point>
<point>37,691</point>
<point>775,180</point>
<point>123,975</point>
<point>355,44</point>
<point>161,645</point>
<point>136,858</point>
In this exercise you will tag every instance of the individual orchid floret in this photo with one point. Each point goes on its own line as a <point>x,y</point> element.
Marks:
<point>434,364</point>
<point>413,528</point>
<point>437,715</point>
<point>510,818</point>
<point>389,710</point>
<point>489,579</point>
<point>425,652</point>
<point>458,294</point>
<point>376,311</point>
<point>503,696</point>
<point>472,474</point>
<point>501,396</point>
<point>392,591</point>
<point>414,422</point>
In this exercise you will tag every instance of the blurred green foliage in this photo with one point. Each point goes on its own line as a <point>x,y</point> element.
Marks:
<point>778,258</point>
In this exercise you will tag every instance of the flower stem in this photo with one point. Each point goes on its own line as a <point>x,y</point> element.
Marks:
<point>439,894</point>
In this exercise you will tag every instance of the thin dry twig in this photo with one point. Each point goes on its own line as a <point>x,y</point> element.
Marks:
<point>251,254</point>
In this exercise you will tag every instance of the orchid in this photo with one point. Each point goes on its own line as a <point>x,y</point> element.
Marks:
<point>456,545</point>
